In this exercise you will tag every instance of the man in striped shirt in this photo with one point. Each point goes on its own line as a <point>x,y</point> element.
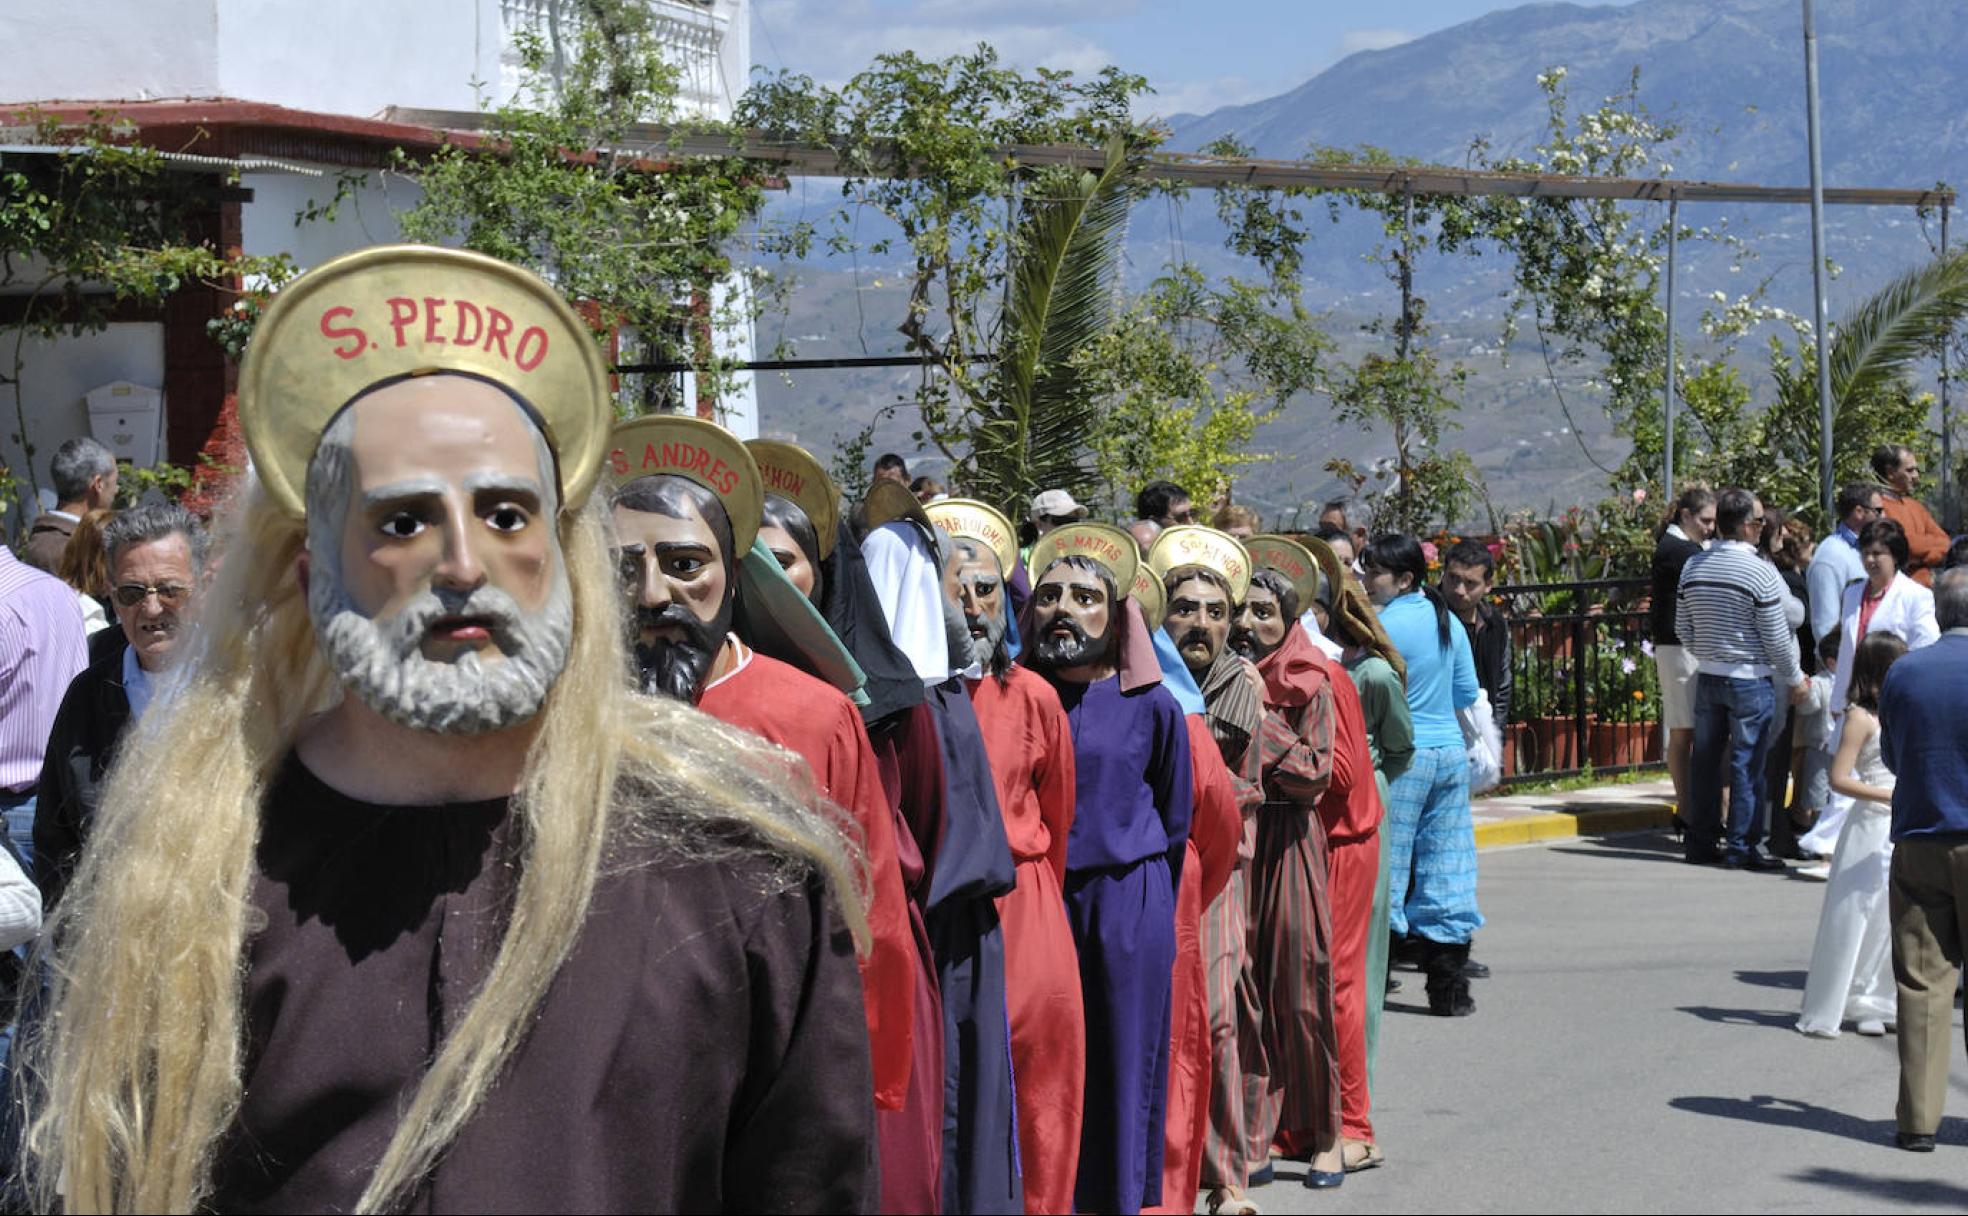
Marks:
<point>1729,613</point>
<point>42,647</point>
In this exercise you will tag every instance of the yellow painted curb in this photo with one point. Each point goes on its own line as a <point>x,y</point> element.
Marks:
<point>1555,825</point>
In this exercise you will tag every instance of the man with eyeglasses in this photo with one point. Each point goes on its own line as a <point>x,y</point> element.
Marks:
<point>156,563</point>
<point>1729,613</point>
<point>1165,503</point>
<point>1836,563</point>
<point>1927,542</point>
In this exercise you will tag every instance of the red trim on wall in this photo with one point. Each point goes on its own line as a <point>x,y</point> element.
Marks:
<point>224,127</point>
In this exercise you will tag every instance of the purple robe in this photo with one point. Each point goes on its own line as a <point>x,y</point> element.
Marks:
<point>1123,865</point>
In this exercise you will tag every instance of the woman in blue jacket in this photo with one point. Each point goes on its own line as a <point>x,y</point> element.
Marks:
<point>1431,846</point>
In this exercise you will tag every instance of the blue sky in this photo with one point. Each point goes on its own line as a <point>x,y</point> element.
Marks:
<point>1199,54</point>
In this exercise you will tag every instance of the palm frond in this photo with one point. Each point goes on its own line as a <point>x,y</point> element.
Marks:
<point>1033,435</point>
<point>1900,324</point>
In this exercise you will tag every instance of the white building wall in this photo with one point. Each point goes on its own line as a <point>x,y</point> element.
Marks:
<point>357,56</point>
<point>53,381</point>
<point>354,58</point>
<point>367,217</point>
<point>125,49</point>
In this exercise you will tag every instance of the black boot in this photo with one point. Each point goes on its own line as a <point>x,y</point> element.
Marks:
<point>1448,987</point>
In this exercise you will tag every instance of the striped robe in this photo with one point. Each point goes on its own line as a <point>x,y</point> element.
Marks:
<point>1240,1078</point>
<point>1291,917</point>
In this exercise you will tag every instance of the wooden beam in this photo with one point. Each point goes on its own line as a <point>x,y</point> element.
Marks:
<point>1193,169</point>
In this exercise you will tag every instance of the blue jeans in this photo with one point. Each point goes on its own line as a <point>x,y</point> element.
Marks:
<point>1733,721</point>
<point>18,809</point>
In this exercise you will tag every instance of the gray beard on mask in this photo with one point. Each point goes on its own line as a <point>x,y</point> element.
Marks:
<point>984,650</point>
<point>1074,650</point>
<point>380,659</point>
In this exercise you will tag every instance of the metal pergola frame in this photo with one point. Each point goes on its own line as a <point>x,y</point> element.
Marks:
<point>802,159</point>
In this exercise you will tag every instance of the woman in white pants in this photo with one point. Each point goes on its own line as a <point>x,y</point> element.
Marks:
<point>1851,974</point>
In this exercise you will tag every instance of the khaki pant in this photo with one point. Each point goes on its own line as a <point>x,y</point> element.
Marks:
<point>1930,922</point>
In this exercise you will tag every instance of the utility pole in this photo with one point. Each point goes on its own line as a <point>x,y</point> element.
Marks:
<point>1668,490</point>
<point>1950,517</point>
<point>1822,331</point>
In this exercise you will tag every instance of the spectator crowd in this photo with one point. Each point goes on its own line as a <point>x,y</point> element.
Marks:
<point>1812,702</point>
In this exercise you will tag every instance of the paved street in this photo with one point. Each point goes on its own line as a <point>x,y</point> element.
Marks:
<point>1634,1051</point>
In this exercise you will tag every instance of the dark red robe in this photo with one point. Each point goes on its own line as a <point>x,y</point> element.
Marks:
<point>1290,901</point>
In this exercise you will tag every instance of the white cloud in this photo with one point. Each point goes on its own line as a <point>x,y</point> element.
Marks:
<point>1206,95</point>
<point>1371,39</point>
<point>832,41</point>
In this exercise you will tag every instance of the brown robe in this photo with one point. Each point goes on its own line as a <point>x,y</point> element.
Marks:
<point>701,1048</point>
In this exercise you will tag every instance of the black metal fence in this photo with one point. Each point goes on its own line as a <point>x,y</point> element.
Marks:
<point>1584,693</point>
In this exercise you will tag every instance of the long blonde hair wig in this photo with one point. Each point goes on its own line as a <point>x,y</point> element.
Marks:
<point>134,1074</point>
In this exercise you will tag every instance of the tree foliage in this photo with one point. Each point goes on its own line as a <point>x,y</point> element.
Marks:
<point>98,224</point>
<point>556,185</point>
<point>1028,431</point>
<point>1109,393</point>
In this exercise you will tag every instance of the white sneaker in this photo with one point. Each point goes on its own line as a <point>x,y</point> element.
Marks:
<point>1871,1028</point>
<point>1820,871</point>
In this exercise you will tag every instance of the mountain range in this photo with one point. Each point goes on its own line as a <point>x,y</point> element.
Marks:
<point>1729,73</point>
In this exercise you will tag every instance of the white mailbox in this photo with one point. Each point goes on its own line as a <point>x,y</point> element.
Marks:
<point>126,418</point>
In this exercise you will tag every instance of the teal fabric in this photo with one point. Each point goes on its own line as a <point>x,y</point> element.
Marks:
<point>775,619</point>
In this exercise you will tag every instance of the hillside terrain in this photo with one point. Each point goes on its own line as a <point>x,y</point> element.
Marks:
<point>1729,72</point>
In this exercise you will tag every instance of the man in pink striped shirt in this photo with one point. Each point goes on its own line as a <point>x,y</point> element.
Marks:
<point>42,648</point>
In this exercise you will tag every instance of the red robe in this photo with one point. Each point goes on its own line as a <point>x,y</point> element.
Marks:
<point>1351,813</point>
<point>1215,829</point>
<point>815,721</point>
<point>1030,746</point>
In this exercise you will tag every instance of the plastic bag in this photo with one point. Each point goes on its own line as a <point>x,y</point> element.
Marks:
<point>1484,743</point>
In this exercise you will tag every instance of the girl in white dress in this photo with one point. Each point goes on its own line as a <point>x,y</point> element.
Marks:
<point>1851,972</point>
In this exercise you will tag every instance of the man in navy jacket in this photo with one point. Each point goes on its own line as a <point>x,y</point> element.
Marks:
<point>1921,710</point>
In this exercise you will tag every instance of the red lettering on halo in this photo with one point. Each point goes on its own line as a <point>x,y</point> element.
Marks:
<point>433,308</point>
<point>650,458</point>
<point>618,460</point>
<point>355,341</point>
<point>498,330</point>
<point>403,310</point>
<point>520,358</point>
<point>459,335</point>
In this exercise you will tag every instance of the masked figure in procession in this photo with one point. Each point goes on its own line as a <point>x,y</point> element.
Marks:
<point>1125,851</point>
<point>685,510</point>
<point>402,898</point>
<point>1030,745</point>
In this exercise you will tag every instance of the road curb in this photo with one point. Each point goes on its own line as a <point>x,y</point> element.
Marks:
<point>1565,824</point>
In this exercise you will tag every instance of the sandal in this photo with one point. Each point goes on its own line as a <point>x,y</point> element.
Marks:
<point>1361,1155</point>
<point>1228,1201</point>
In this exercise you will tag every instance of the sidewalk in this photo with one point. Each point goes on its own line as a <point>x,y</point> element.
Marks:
<point>1508,819</point>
